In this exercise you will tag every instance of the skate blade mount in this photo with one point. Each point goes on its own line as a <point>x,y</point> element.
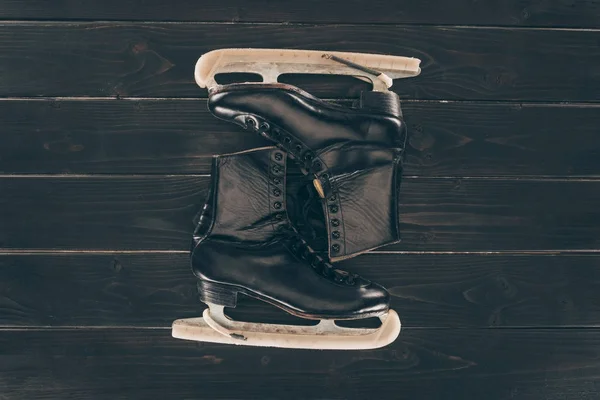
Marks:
<point>378,69</point>
<point>215,327</point>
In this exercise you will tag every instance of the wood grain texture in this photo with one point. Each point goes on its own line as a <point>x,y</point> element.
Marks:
<point>421,364</point>
<point>137,59</point>
<point>556,13</point>
<point>157,212</point>
<point>154,212</point>
<point>428,291</point>
<point>108,136</point>
<point>503,163</point>
<point>179,136</point>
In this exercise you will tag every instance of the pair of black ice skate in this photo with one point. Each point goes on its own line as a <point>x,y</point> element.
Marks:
<point>254,236</point>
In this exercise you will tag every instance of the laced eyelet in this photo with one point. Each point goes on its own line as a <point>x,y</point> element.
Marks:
<point>308,156</point>
<point>250,123</point>
<point>335,222</point>
<point>278,156</point>
<point>276,169</point>
<point>276,192</point>
<point>264,126</point>
<point>333,208</point>
<point>335,234</point>
<point>276,181</point>
<point>277,205</point>
<point>300,249</point>
<point>317,165</point>
<point>335,248</point>
<point>333,198</point>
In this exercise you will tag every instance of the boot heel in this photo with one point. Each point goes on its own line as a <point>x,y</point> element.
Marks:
<point>216,293</point>
<point>383,102</point>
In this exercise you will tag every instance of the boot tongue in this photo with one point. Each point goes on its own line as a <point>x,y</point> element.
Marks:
<point>305,210</point>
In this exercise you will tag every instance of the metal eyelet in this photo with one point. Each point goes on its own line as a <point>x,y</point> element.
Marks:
<point>276,192</point>
<point>278,156</point>
<point>333,198</point>
<point>276,169</point>
<point>287,140</point>
<point>277,205</point>
<point>335,248</point>
<point>276,181</point>
<point>335,222</point>
<point>308,156</point>
<point>333,208</point>
<point>335,234</point>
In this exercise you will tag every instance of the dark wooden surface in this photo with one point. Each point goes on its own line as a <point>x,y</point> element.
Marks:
<point>431,291</point>
<point>422,364</point>
<point>179,137</point>
<point>553,13</point>
<point>156,212</point>
<point>157,59</point>
<point>105,144</point>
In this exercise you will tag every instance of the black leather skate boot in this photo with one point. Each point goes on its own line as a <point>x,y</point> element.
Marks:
<point>354,154</point>
<point>245,243</point>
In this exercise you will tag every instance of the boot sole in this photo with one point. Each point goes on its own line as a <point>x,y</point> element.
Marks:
<point>226,295</point>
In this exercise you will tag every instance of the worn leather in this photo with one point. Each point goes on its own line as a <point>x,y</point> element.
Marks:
<point>247,241</point>
<point>355,153</point>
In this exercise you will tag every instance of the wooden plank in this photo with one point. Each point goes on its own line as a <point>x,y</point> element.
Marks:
<point>106,136</point>
<point>422,364</point>
<point>157,212</point>
<point>136,59</point>
<point>96,212</point>
<point>510,13</point>
<point>151,290</point>
<point>480,214</point>
<point>180,136</point>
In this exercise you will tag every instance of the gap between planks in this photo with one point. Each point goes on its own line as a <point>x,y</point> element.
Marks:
<point>527,178</point>
<point>68,22</point>
<point>520,103</point>
<point>43,328</point>
<point>553,252</point>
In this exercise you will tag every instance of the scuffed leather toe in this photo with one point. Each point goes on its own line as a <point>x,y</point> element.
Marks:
<point>376,298</point>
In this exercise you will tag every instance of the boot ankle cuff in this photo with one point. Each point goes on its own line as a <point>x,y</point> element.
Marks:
<point>362,213</point>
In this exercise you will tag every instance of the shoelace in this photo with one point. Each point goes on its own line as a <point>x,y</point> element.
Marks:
<point>304,160</point>
<point>300,249</point>
<point>304,206</point>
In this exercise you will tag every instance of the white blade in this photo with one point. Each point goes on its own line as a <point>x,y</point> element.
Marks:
<point>270,63</point>
<point>324,336</point>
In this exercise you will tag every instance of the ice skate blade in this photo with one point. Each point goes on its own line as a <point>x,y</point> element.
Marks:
<point>270,63</point>
<point>324,336</point>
